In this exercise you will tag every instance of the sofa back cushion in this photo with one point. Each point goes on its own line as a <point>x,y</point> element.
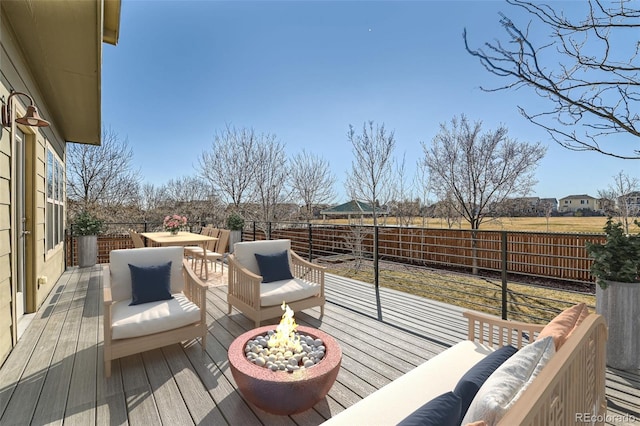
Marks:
<point>474,378</point>
<point>443,410</point>
<point>245,252</point>
<point>503,388</point>
<point>563,325</point>
<point>119,261</point>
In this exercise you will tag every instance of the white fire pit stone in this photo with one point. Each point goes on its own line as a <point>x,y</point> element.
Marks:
<point>309,352</point>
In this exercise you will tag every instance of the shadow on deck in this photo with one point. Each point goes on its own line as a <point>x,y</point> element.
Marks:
<point>55,373</point>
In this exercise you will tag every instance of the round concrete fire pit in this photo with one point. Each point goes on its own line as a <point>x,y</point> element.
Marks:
<point>281,392</point>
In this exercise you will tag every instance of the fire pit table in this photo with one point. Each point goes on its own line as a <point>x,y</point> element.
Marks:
<point>283,392</point>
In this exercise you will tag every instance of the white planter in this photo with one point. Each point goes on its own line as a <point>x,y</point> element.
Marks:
<point>87,250</point>
<point>234,237</point>
<point>619,303</point>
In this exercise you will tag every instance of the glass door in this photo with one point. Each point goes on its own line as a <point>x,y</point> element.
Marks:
<point>21,232</point>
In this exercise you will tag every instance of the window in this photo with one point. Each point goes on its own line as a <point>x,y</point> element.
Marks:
<point>55,200</point>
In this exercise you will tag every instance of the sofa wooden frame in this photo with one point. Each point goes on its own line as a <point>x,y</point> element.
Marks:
<point>572,384</point>
<point>194,289</point>
<point>244,289</point>
<point>570,389</point>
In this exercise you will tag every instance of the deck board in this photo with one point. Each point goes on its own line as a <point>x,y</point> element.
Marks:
<point>55,373</point>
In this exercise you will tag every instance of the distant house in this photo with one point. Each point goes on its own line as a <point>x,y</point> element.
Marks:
<point>353,209</point>
<point>632,200</point>
<point>527,206</point>
<point>547,205</point>
<point>573,203</point>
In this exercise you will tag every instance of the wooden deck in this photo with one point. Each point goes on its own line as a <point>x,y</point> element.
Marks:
<point>54,374</point>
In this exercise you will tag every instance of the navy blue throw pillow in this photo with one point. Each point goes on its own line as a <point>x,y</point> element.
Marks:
<point>274,267</point>
<point>470,383</point>
<point>443,410</point>
<point>150,283</point>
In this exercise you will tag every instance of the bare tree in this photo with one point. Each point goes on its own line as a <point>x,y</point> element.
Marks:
<point>193,197</point>
<point>477,170</point>
<point>446,209</point>
<point>230,164</point>
<point>371,177</point>
<point>589,72</point>
<point>149,198</point>
<point>311,181</point>
<point>422,183</point>
<point>404,207</point>
<point>547,208</point>
<point>622,194</point>
<point>271,174</point>
<point>101,178</point>
<point>354,242</point>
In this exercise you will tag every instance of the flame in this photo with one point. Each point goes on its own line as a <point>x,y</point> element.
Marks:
<point>285,336</point>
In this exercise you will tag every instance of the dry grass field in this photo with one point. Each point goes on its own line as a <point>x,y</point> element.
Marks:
<point>531,303</point>
<point>589,225</point>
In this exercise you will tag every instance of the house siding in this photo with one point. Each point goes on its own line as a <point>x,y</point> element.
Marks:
<point>16,75</point>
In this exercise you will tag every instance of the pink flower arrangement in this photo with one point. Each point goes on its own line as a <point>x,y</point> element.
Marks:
<point>174,222</point>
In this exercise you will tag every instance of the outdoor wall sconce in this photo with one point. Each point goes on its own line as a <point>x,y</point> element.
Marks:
<point>31,118</point>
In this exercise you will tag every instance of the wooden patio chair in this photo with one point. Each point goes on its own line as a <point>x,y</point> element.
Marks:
<point>174,314</point>
<point>205,230</point>
<point>258,300</point>
<point>191,251</point>
<point>214,252</point>
<point>138,241</point>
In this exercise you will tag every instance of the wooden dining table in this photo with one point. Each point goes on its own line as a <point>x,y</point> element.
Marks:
<point>180,239</point>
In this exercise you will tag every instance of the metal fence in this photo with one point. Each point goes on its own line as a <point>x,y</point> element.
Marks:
<point>531,275</point>
<point>524,275</point>
<point>558,256</point>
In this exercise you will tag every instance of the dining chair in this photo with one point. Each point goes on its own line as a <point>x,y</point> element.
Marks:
<point>190,251</point>
<point>138,242</point>
<point>216,251</point>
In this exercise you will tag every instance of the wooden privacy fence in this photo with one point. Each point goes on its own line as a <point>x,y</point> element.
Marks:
<point>547,255</point>
<point>116,237</point>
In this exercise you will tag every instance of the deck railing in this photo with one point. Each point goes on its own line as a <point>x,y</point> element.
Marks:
<point>511,272</point>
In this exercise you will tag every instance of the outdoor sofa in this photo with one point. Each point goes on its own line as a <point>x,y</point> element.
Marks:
<point>481,381</point>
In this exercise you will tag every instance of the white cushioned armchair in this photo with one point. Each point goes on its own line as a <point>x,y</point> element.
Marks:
<point>260,300</point>
<point>180,316</point>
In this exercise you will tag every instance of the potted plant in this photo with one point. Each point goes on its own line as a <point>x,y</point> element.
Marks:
<point>235,223</point>
<point>86,228</point>
<point>616,267</point>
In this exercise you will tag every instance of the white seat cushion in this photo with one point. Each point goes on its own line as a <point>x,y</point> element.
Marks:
<point>393,402</point>
<point>149,318</point>
<point>274,293</point>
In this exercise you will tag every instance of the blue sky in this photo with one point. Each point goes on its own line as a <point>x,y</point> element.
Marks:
<point>306,70</point>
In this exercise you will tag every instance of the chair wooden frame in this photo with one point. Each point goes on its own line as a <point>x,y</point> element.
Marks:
<point>244,289</point>
<point>189,251</point>
<point>194,289</point>
<point>214,255</point>
<point>138,241</point>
